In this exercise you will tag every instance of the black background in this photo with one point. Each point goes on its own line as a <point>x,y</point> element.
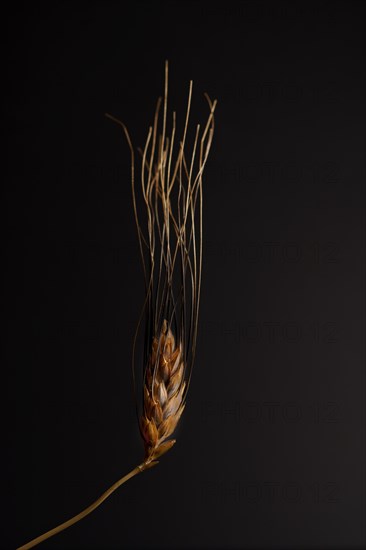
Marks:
<point>270,450</point>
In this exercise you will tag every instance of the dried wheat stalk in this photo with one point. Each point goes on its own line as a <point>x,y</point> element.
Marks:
<point>170,242</point>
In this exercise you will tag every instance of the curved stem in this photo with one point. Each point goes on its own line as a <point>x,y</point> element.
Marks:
<point>89,509</point>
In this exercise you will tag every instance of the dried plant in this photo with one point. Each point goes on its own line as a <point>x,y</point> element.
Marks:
<point>170,242</point>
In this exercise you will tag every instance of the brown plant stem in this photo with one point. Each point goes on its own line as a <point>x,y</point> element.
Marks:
<point>144,466</point>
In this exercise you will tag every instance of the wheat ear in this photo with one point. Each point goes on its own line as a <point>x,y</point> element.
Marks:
<point>171,254</point>
<point>163,395</point>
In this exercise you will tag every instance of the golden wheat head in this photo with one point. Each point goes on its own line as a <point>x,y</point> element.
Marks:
<point>168,211</point>
<point>167,206</point>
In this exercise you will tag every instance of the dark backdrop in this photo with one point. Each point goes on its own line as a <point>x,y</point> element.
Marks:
<point>270,451</point>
